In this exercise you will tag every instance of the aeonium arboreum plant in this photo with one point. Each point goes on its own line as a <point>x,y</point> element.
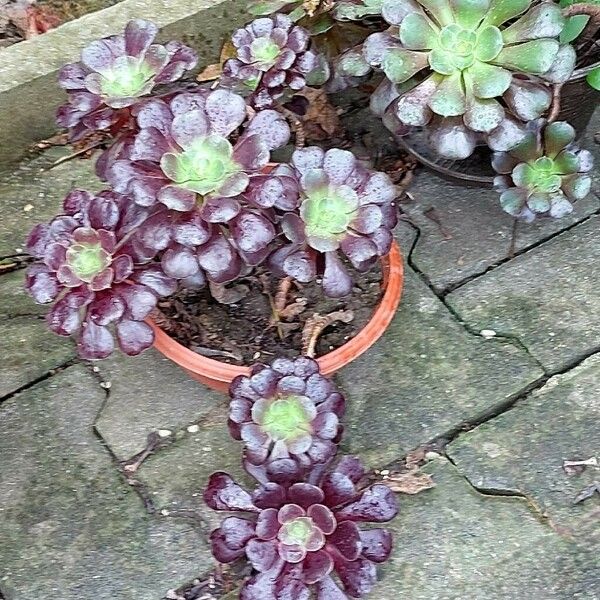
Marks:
<point>288,416</point>
<point>115,74</point>
<point>343,207</point>
<point>544,174</point>
<point>272,58</point>
<point>89,268</point>
<point>297,536</point>
<point>469,71</point>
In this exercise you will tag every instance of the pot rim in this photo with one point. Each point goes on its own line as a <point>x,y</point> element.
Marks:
<point>221,374</point>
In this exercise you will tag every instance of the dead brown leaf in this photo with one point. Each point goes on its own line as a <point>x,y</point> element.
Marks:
<point>321,120</point>
<point>412,482</point>
<point>315,325</point>
<point>212,72</point>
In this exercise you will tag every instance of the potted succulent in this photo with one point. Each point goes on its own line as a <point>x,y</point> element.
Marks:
<point>459,80</point>
<point>194,200</point>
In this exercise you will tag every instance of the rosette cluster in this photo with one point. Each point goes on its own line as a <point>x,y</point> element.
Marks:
<point>544,174</point>
<point>343,207</point>
<point>272,57</point>
<point>115,73</point>
<point>469,71</point>
<point>288,416</point>
<point>298,537</point>
<point>90,268</point>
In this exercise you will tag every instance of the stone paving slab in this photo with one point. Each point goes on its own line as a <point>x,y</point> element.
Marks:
<point>14,301</point>
<point>425,377</point>
<point>479,231</point>
<point>176,476</point>
<point>148,393</point>
<point>453,543</point>
<point>70,527</point>
<point>31,195</point>
<point>29,351</point>
<point>547,297</point>
<point>522,450</point>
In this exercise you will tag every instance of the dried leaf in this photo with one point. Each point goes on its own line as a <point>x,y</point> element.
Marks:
<point>293,310</point>
<point>578,466</point>
<point>433,215</point>
<point>587,492</point>
<point>409,483</point>
<point>320,115</point>
<point>212,72</point>
<point>315,325</point>
<point>228,295</point>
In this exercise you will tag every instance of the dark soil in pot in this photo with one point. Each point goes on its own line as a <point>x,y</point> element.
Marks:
<point>244,332</point>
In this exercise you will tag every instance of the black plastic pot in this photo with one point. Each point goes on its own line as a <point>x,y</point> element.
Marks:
<point>578,102</point>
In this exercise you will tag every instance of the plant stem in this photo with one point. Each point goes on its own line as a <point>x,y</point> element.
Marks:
<point>555,106</point>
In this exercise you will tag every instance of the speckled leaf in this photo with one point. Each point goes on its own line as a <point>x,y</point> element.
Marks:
<point>440,9</point>
<point>489,44</point>
<point>502,11</point>
<point>417,32</point>
<point>448,100</point>
<point>527,100</point>
<point>412,108</point>
<point>469,13</point>
<point>534,57</point>
<point>488,81</point>
<point>557,135</point>
<point>483,114</point>
<point>451,138</point>
<point>545,20</point>
<point>573,28</point>
<point>563,66</point>
<point>400,65</point>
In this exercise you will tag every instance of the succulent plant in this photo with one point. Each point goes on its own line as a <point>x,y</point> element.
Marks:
<point>115,73</point>
<point>94,275</point>
<point>544,174</point>
<point>287,415</point>
<point>342,206</point>
<point>468,70</point>
<point>297,536</point>
<point>272,56</point>
<point>183,158</point>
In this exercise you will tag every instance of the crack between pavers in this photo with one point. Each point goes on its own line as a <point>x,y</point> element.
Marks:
<point>48,375</point>
<point>510,339</point>
<point>454,286</point>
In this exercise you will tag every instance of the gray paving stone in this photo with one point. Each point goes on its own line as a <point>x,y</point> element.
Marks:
<point>425,377</point>
<point>28,351</point>
<point>452,543</point>
<point>14,301</point>
<point>147,393</point>
<point>177,475</point>
<point>29,196</point>
<point>479,231</point>
<point>523,450</point>
<point>548,298</point>
<point>70,527</point>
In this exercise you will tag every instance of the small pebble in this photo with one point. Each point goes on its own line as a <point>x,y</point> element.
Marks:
<point>256,356</point>
<point>164,433</point>
<point>106,385</point>
<point>431,455</point>
<point>193,428</point>
<point>28,207</point>
<point>487,333</point>
<point>164,512</point>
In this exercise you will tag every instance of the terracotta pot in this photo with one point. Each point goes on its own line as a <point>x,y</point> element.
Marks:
<point>218,375</point>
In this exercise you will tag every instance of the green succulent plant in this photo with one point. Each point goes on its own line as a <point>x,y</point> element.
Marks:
<point>543,174</point>
<point>470,69</point>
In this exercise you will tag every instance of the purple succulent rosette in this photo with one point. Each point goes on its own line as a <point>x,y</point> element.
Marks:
<point>288,415</point>
<point>114,73</point>
<point>272,56</point>
<point>89,267</point>
<point>343,206</point>
<point>469,71</point>
<point>299,536</point>
<point>544,174</point>
<point>182,156</point>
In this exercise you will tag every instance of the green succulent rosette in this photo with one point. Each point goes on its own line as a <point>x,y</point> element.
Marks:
<point>543,174</point>
<point>471,70</point>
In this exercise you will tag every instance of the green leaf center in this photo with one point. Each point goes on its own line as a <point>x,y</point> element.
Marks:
<point>286,419</point>
<point>87,260</point>
<point>542,176</point>
<point>126,79</point>
<point>203,167</point>
<point>328,213</point>
<point>297,532</point>
<point>264,52</point>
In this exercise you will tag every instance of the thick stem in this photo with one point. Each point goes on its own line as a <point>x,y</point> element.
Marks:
<point>555,106</point>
